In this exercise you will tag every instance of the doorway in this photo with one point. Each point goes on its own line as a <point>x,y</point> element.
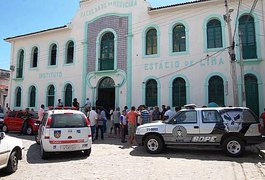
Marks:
<point>106,93</point>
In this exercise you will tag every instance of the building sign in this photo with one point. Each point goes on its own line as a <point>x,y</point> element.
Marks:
<point>182,64</point>
<point>50,75</point>
<point>114,3</point>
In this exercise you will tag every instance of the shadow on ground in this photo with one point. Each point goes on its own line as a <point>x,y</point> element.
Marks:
<point>201,153</point>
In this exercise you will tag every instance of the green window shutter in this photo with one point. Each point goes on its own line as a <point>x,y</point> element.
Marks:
<point>247,28</point>
<point>19,73</point>
<point>179,38</point>
<point>216,90</point>
<point>151,42</point>
<point>68,95</point>
<point>70,52</point>
<point>18,97</point>
<point>53,55</point>
<point>106,61</point>
<point>151,93</point>
<point>35,57</point>
<point>32,100</point>
<point>214,34</point>
<point>50,96</point>
<point>179,92</point>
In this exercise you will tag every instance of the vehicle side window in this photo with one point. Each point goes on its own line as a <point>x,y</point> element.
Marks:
<point>211,116</point>
<point>187,117</point>
<point>12,114</point>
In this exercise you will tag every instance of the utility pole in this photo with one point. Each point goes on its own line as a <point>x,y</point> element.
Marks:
<point>243,91</point>
<point>232,54</point>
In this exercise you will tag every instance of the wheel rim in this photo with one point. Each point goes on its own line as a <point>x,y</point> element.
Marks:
<point>233,147</point>
<point>4,128</point>
<point>152,144</point>
<point>29,130</point>
<point>14,162</point>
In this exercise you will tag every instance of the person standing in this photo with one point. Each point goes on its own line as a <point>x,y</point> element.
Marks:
<point>116,119</point>
<point>262,116</point>
<point>131,117</point>
<point>60,103</point>
<point>76,104</point>
<point>168,113</point>
<point>156,114</point>
<point>24,127</point>
<point>99,124</point>
<point>163,111</point>
<point>145,118</point>
<point>92,116</point>
<point>41,112</point>
<point>123,123</point>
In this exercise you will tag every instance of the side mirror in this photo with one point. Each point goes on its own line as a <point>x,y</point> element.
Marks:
<point>2,135</point>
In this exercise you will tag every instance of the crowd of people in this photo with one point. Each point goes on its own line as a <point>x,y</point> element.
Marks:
<point>118,123</point>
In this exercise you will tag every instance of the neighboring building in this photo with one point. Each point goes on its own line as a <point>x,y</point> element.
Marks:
<point>4,81</point>
<point>123,52</point>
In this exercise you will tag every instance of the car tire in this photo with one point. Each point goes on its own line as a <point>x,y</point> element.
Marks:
<point>12,163</point>
<point>5,129</point>
<point>29,130</point>
<point>87,152</point>
<point>153,144</point>
<point>233,146</point>
<point>43,154</point>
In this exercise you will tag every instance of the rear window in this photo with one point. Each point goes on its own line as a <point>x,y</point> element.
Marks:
<point>68,121</point>
<point>239,115</point>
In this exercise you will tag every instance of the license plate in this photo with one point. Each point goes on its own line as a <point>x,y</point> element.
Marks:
<point>68,147</point>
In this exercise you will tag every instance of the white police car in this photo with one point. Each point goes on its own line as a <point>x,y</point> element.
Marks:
<point>64,130</point>
<point>11,150</point>
<point>231,128</point>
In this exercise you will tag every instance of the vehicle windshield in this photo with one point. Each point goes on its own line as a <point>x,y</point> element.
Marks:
<point>169,120</point>
<point>68,121</point>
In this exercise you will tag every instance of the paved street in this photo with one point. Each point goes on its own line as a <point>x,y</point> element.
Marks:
<point>112,160</point>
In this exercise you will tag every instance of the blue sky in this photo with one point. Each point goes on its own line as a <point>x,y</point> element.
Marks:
<point>25,16</point>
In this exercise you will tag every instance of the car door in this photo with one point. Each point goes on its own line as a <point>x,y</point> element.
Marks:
<point>3,151</point>
<point>182,127</point>
<point>18,121</point>
<point>212,127</point>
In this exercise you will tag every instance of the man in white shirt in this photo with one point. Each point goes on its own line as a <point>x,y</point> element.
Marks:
<point>168,113</point>
<point>41,112</point>
<point>92,116</point>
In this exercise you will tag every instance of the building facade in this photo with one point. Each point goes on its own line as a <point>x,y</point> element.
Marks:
<point>124,52</point>
<point>4,81</point>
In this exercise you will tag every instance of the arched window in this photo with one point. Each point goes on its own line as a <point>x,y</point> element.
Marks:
<point>68,96</point>
<point>151,93</point>
<point>179,38</point>
<point>106,61</point>
<point>252,93</point>
<point>179,92</point>
<point>151,42</point>
<point>18,97</point>
<point>53,54</point>
<point>32,96</point>
<point>70,53</point>
<point>247,28</point>
<point>214,34</point>
<point>50,95</point>
<point>19,73</point>
<point>216,90</point>
<point>34,60</point>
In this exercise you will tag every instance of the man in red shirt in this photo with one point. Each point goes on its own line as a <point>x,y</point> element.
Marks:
<point>132,121</point>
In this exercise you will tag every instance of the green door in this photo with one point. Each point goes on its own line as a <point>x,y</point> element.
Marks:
<point>252,93</point>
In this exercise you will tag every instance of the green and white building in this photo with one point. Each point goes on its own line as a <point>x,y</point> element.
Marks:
<point>128,53</point>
